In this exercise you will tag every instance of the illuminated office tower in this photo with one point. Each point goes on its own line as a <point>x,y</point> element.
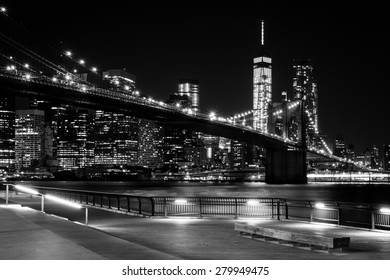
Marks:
<point>305,88</point>
<point>116,139</point>
<point>150,144</point>
<point>71,128</point>
<point>190,88</point>
<point>262,87</point>
<point>7,133</point>
<point>29,138</point>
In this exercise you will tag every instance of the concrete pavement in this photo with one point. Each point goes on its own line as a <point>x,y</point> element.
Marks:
<point>26,233</point>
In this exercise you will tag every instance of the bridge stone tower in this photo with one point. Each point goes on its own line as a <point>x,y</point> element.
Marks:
<point>287,164</point>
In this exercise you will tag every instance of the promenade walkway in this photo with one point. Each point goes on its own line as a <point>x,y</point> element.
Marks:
<point>26,233</point>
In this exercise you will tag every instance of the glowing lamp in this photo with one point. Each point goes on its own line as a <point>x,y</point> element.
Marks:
<point>180,201</point>
<point>384,210</point>
<point>252,202</point>
<point>319,205</point>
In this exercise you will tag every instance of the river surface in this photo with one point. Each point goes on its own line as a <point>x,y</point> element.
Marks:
<point>368,193</point>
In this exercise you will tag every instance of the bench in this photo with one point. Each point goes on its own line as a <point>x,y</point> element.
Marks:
<point>331,243</point>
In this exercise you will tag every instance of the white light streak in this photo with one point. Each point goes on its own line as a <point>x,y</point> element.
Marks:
<point>63,201</point>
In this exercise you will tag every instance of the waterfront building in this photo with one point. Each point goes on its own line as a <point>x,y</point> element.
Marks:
<point>262,87</point>
<point>7,133</point>
<point>29,126</point>
<point>150,144</point>
<point>364,159</point>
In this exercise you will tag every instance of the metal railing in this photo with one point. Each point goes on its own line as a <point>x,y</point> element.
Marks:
<point>360,215</point>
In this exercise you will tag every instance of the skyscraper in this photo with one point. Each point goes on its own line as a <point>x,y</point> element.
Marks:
<point>71,128</point>
<point>305,88</point>
<point>116,139</point>
<point>262,87</point>
<point>190,88</point>
<point>29,138</point>
<point>7,132</point>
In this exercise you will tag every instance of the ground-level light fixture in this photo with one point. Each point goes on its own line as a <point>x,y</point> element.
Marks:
<point>253,202</point>
<point>384,210</point>
<point>181,201</point>
<point>319,205</point>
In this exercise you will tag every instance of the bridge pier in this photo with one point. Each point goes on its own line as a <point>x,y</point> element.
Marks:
<point>285,166</point>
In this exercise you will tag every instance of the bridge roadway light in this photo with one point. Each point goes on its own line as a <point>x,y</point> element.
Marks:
<point>68,53</point>
<point>3,9</point>
<point>82,61</point>
<point>94,69</point>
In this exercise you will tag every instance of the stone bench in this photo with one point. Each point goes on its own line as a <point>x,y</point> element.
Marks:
<point>331,243</point>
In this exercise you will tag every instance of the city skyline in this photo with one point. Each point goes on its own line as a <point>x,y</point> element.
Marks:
<point>217,48</point>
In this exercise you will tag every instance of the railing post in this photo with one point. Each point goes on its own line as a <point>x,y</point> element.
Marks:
<point>6,194</point>
<point>118,202</point>
<point>372,217</point>
<point>236,209</point>
<point>278,210</point>
<point>101,201</point>
<point>42,203</point>
<point>272,208</point>
<point>338,214</point>
<point>86,215</point>
<point>128,203</point>
<point>152,202</point>
<point>93,200</point>
<point>109,202</point>
<point>139,206</point>
<point>286,208</point>
<point>200,208</point>
<point>165,208</point>
<point>311,212</point>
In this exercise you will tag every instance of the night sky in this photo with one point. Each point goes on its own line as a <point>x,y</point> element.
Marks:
<point>215,43</point>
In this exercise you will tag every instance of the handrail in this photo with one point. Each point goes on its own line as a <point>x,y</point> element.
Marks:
<point>365,215</point>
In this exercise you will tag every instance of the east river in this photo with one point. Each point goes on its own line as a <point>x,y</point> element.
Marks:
<point>367,193</point>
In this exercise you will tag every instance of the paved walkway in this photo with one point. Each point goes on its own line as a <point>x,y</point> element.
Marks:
<point>26,233</point>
